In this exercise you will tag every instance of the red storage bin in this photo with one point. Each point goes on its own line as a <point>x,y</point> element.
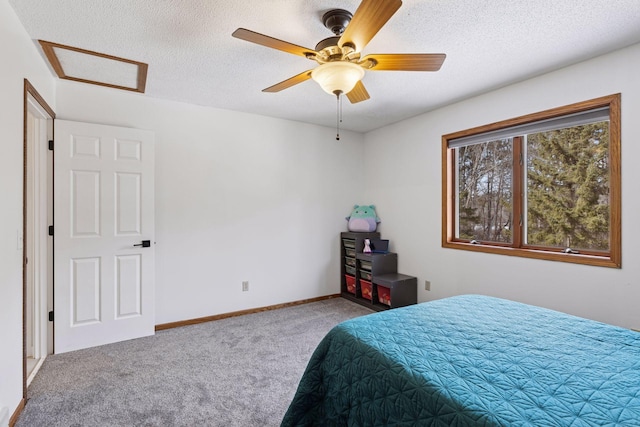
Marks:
<point>384,295</point>
<point>365,289</point>
<point>351,283</point>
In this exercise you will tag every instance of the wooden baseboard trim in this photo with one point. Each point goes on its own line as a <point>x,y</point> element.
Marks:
<point>14,418</point>
<point>188,322</point>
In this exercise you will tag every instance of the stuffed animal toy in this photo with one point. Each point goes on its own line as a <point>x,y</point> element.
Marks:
<point>363,219</point>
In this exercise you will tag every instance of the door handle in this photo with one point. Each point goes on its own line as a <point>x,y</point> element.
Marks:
<point>144,244</point>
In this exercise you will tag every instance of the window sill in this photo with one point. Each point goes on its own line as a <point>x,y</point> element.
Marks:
<point>600,261</point>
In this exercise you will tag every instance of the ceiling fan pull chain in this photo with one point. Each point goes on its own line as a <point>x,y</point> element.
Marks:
<point>338,115</point>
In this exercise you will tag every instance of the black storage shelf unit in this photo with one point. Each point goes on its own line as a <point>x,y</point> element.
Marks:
<point>377,269</point>
<point>403,288</point>
<point>351,245</point>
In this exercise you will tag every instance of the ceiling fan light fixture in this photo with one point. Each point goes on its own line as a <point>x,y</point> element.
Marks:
<point>337,77</point>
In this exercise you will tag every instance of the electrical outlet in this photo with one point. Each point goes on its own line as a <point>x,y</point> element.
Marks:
<point>427,285</point>
<point>245,286</point>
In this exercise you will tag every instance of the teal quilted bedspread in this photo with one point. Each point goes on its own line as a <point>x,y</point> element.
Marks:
<point>471,361</point>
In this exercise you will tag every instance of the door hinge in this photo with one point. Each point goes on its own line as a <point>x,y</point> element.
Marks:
<point>51,144</point>
<point>51,230</point>
<point>51,316</point>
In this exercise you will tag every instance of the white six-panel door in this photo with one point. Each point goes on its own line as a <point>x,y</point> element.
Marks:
<point>103,207</point>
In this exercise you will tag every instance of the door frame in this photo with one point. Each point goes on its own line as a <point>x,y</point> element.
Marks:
<point>30,93</point>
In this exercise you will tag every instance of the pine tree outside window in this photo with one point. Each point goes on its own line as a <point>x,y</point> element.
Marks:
<point>546,185</point>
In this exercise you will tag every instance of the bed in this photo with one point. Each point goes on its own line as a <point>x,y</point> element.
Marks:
<point>471,361</point>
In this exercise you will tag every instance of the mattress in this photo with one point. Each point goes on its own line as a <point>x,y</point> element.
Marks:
<point>471,361</point>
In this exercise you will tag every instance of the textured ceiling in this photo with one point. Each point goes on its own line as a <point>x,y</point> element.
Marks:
<point>193,58</point>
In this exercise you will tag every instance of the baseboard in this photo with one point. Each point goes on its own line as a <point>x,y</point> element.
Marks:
<point>14,418</point>
<point>188,322</point>
<point>35,370</point>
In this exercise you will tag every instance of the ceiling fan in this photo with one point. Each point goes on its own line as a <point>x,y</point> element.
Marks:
<point>342,66</point>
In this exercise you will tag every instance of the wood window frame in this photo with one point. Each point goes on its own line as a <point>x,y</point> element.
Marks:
<point>611,259</point>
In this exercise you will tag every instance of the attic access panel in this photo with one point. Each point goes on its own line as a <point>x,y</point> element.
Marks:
<point>86,66</point>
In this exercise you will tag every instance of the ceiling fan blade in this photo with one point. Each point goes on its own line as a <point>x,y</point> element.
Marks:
<point>405,61</point>
<point>370,16</point>
<point>289,82</point>
<point>261,39</point>
<point>358,93</point>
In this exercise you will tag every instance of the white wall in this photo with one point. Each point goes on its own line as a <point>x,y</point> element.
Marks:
<point>20,60</point>
<point>403,164</point>
<point>238,197</point>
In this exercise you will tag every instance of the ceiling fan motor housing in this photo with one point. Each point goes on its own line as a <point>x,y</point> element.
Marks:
<point>337,20</point>
<point>328,42</point>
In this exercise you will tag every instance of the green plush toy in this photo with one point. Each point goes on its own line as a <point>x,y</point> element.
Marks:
<point>363,219</point>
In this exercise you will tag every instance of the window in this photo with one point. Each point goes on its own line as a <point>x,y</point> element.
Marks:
<point>545,186</point>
